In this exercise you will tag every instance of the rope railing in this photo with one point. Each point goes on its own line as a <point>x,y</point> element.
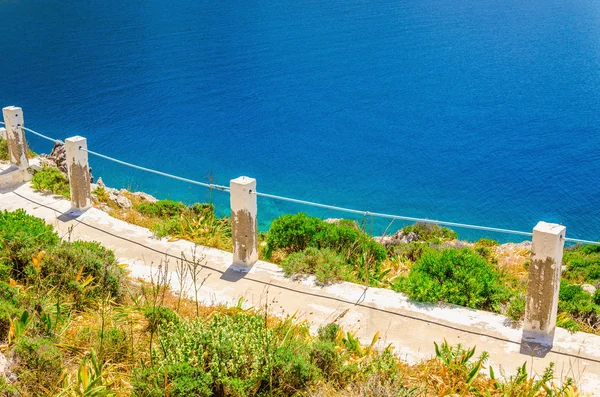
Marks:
<point>43,136</point>
<point>137,167</point>
<point>314,204</point>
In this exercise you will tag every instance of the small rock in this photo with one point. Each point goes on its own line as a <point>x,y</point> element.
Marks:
<point>397,238</point>
<point>589,288</point>
<point>145,196</point>
<point>3,364</point>
<point>5,371</point>
<point>124,202</point>
<point>563,268</point>
<point>100,183</point>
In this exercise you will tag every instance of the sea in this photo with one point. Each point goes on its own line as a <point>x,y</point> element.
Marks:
<point>470,111</point>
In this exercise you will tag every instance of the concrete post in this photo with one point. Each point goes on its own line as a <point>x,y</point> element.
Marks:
<point>79,172</point>
<point>243,221</point>
<point>17,146</point>
<point>544,283</point>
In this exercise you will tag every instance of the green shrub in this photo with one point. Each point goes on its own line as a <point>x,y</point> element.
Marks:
<point>167,227</point>
<point>113,345</point>
<point>461,277</point>
<point>21,237</point>
<point>583,264</point>
<point>41,365</point>
<point>161,209</point>
<point>233,355</point>
<point>50,179</point>
<point>295,233</point>
<point>576,302</point>
<point>429,231</point>
<point>69,264</point>
<point>8,311</point>
<point>516,307</point>
<point>4,156</point>
<point>160,316</point>
<point>327,265</point>
<point>408,251</point>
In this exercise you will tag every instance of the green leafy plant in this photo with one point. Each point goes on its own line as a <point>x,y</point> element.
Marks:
<point>458,360</point>
<point>295,233</point>
<point>161,209</point>
<point>430,232</point>
<point>50,179</point>
<point>327,265</point>
<point>41,364</point>
<point>4,156</point>
<point>21,237</point>
<point>583,264</point>
<point>579,306</point>
<point>461,277</point>
<point>84,269</point>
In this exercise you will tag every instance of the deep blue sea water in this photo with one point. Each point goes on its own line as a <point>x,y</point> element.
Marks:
<point>472,111</point>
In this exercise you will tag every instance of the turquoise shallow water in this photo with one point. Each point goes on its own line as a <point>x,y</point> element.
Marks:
<point>468,111</point>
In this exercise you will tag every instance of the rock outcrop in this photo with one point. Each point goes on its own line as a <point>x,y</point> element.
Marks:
<point>58,159</point>
<point>397,238</point>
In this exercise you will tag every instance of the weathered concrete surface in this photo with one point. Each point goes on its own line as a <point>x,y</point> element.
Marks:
<point>544,282</point>
<point>17,145</point>
<point>79,172</point>
<point>244,228</point>
<point>11,174</point>
<point>410,327</point>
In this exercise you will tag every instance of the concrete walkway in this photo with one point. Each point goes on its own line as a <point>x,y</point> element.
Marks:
<point>410,327</point>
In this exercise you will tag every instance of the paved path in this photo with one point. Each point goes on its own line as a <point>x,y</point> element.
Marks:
<point>410,327</point>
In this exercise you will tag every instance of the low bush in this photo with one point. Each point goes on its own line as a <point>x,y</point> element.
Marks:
<point>4,156</point>
<point>83,269</point>
<point>40,364</point>
<point>50,179</point>
<point>430,232</point>
<point>244,354</point>
<point>583,264</point>
<point>295,233</point>
<point>327,265</point>
<point>461,277</point>
<point>516,307</point>
<point>161,209</point>
<point>160,316</point>
<point>408,251</point>
<point>21,237</point>
<point>8,312</point>
<point>580,306</point>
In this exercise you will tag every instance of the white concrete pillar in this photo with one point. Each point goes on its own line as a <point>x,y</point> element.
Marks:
<point>544,283</point>
<point>243,221</point>
<point>15,136</point>
<point>79,172</point>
